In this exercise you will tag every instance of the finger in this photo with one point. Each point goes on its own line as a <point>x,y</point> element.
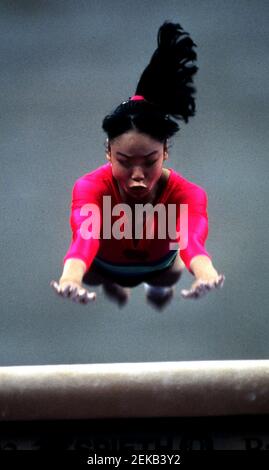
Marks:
<point>219,283</point>
<point>66,291</point>
<point>74,296</point>
<point>184,293</point>
<point>204,286</point>
<point>76,299</point>
<point>84,299</point>
<point>91,296</point>
<point>83,296</point>
<point>80,295</point>
<point>188,294</point>
<point>195,293</point>
<point>211,285</point>
<point>56,287</point>
<point>73,293</point>
<point>201,290</point>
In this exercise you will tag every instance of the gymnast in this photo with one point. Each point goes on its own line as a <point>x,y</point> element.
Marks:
<point>137,145</point>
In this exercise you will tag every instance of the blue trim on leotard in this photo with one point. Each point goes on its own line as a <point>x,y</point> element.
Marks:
<point>132,270</point>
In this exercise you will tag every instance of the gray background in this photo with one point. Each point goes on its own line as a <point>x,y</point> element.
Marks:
<point>64,66</point>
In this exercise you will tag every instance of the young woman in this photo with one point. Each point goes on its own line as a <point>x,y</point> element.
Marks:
<point>138,131</point>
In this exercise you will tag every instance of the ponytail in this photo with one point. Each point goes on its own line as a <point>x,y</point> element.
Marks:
<point>167,80</point>
<point>165,89</point>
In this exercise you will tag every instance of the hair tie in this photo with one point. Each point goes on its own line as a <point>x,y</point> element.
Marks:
<point>137,98</point>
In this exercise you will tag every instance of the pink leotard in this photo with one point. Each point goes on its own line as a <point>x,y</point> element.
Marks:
<point>91,187</point>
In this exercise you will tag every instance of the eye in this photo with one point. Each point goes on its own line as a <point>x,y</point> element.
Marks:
<point>150,163</point>
<point>124,163</point>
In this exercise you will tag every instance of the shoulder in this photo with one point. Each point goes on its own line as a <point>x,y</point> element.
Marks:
<point>93,182</point>
<point>187,190</point>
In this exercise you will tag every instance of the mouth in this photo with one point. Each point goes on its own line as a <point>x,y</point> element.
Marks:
<point>137,191</point>
<point>137,188</point>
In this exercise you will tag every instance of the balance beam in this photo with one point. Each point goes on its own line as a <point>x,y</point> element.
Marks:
<point>128,390</point>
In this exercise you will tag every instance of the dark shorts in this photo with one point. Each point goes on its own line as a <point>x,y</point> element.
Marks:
<point>129,279</point>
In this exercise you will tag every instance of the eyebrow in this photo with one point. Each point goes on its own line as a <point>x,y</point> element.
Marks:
<point>129,156</point>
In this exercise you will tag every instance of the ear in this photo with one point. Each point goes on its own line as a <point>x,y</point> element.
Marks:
<point>165,151</point>
<point>108,151</point>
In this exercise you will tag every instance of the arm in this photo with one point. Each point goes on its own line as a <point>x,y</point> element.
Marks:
<point>203,268</point>
<point>81,251</point>
<point>195,256</point>
<point>74,270</point>
<point>196,200</point>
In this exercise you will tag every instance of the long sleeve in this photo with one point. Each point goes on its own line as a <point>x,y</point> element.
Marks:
<point>81,247</point>
<point>197,225</point>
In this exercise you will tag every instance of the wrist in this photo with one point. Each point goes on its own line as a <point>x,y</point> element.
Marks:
<point>68,279</point>
<point>73,271</point>
<point>202,267</point>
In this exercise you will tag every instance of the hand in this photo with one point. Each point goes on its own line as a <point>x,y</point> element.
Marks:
<point>73,290</point>
<point>201,286</point>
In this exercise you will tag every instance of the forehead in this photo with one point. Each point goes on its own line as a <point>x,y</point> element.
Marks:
<point>134,142</point>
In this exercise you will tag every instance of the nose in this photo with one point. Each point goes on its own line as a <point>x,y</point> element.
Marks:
<point>137,174</point>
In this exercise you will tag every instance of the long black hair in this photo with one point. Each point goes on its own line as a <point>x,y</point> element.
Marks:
<point>167,86</point>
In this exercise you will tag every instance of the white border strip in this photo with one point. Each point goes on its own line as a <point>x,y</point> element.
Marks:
<point>150,389</point>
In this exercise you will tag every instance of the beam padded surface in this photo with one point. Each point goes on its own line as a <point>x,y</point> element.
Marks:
<point>150,389</point>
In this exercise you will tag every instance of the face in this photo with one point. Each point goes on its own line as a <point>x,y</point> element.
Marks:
<point>137,163</point>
